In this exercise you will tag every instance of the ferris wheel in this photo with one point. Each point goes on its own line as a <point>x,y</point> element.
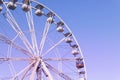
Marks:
<point>36,44</point>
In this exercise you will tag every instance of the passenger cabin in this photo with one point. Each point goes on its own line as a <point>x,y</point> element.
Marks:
<point>39,11</point>
<point>79,64</point>
<point>11,5</point>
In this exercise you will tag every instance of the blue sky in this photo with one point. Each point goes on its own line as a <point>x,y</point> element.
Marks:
<point>96,25</point>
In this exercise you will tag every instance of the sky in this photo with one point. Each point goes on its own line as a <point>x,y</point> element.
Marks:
<point>96,25</point>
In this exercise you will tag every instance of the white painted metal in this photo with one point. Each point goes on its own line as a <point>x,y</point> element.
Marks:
<point>46,71</point>
<point>53,46</point>
<point>32,31</point>
<point>45,32</point>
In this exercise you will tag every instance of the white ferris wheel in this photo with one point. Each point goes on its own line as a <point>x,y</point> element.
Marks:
<point>36,44</point>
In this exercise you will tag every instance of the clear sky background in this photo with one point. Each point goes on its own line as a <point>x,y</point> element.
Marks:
<point>96,25</point>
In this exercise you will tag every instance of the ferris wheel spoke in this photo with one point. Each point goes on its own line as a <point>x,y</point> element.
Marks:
<point>45,32</point>
<point>56,44</point>
<point>46,71</point>
<point>11,20</point>
<point>62,75</point>
<point>14,59</point>
<point>32,76</point>
<point>29,17</point>
<point>59,59</point>
<point>20,33</point>
<point>6,40</point>
<point>20,72</point>
<point>26,72</point>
